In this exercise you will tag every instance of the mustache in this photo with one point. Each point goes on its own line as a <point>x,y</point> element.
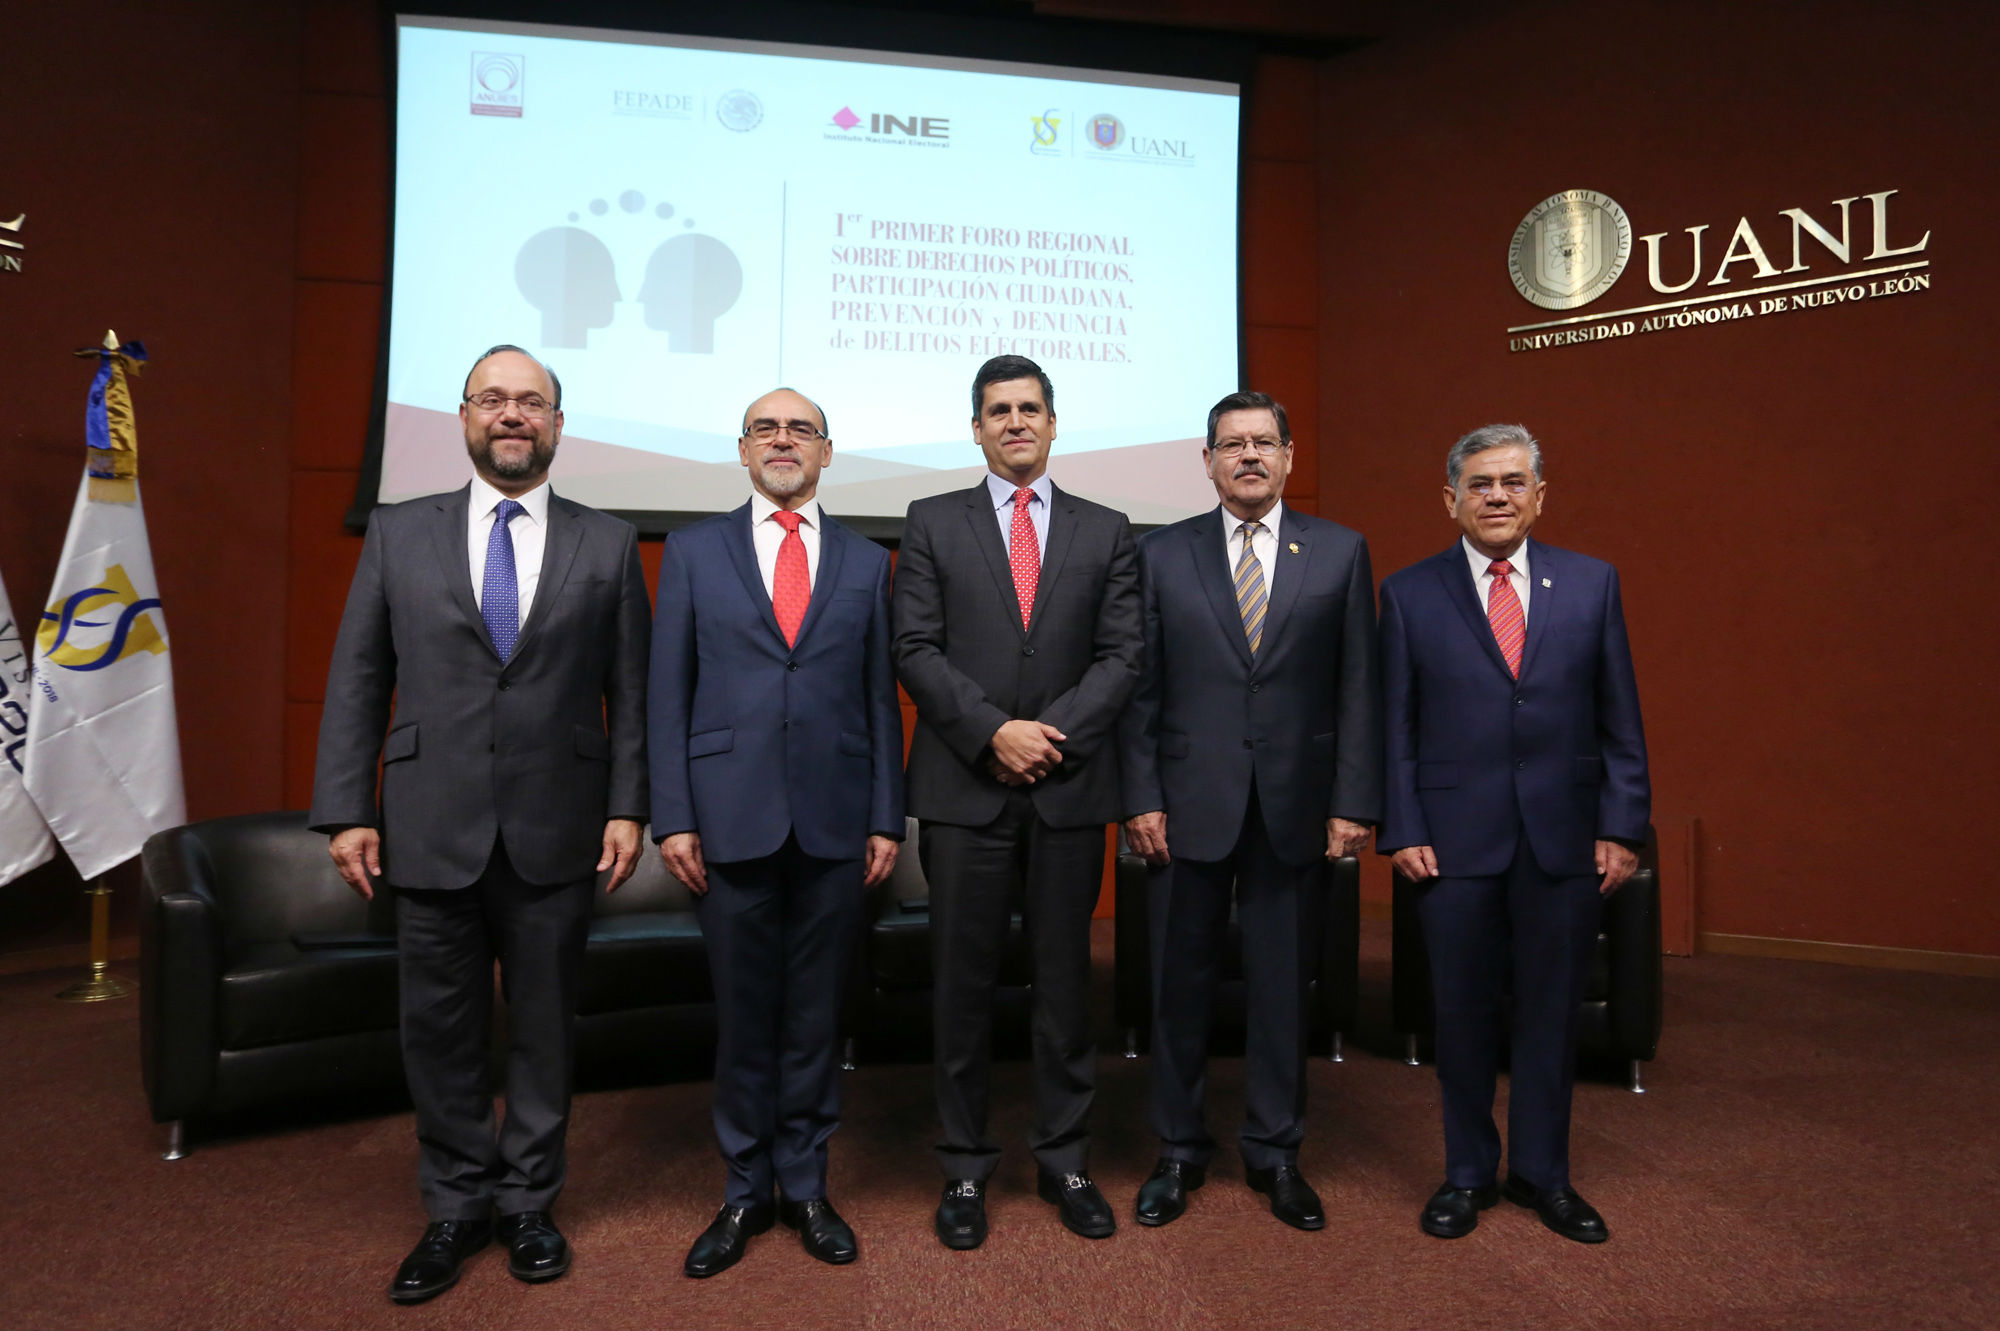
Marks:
<point>1251,469</point>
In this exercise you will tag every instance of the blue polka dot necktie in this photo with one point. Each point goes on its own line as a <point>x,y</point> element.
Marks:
<point>500,592</point>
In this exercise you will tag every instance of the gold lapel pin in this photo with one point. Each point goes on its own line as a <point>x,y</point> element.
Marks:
<point>1294,547</point>
<point>1547,583</point>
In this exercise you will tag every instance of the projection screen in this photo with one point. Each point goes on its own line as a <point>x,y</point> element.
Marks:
<point>679,224</point>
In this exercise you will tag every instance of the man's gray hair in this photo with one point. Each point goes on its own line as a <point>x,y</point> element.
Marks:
<point>1486,437</point>
<point>554,383</point>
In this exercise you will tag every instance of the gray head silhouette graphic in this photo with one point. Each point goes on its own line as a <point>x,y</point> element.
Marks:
<point>566,273</point>
<point>690,282</point>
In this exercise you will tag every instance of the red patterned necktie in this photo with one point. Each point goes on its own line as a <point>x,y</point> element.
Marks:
<point>1503,612</point>
<point>791,586</point>
<point>1024,554</point>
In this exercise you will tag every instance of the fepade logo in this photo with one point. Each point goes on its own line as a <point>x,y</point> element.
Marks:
<point>654,104</point>
<point>1573,247</point>
<point>910,130</point>
<point>10,247</point>
<point>498,82</point>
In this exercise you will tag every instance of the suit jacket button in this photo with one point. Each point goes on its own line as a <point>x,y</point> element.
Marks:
<point>791,665</point>
<point>506,684</point>
<point>1519,701</point>
<point>1521,766</point>
<point>1246,743</point>
<point>1027,651</point>
<point>1255,687</point>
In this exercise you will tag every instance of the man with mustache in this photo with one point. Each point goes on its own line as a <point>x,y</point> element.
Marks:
<point>777,745</point>
<point>507,627</point>
<point>1017,634</point>
<point>1252,758</point>
<point>1517,796</point>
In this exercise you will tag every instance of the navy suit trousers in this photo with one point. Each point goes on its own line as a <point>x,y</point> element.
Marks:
<point>780,932</point>
<point>1535,931</point>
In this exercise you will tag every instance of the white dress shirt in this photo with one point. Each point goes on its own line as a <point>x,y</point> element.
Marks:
<point>1002,491</point>
<point>1518,561</point>
<point>1264,544</point>
<point>766,535</point>
<point>529,530</point>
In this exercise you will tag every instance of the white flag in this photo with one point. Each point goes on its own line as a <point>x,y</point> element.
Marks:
<point>24,838</point>
<point>103,760</point>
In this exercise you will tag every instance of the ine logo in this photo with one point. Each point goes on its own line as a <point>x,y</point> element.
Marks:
<point>912,130</point>
<point>1569,249</point>
<point>498,82</point>
<point>10,248</point>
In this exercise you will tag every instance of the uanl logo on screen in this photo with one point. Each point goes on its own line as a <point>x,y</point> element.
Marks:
<point>498,79</point>
<point>1112,138</point>
<point>911,130</point>
<point>1573,247</point>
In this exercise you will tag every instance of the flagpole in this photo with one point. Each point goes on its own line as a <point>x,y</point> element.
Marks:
<point>101,984</point>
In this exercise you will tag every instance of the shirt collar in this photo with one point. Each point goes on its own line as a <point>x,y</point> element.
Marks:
<point>1231,524</point>
<point>1480,563</point>
<point>1003,489</point>
<point>761,509</point>
<point>484,499</point>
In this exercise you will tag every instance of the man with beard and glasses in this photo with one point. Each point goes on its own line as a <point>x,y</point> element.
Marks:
<point>1252,759</point>
<point>776,743</point>
<point>506,627</point>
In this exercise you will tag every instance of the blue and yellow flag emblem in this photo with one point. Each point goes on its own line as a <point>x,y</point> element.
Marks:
<point>99,626</point>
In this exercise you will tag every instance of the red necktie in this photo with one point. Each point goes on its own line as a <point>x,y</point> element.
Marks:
<point>1024,554</point>
<point>791,586</point>
<point>1503,612</point>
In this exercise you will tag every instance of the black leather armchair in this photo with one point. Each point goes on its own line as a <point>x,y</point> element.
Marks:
<point>265,979</point>
<point>889,1004</point>
<point>1623,1004</point>
<point>1335,986</point>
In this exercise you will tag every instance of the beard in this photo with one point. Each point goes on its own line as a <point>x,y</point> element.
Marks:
<point>784,482</point>
<point>512,466</point>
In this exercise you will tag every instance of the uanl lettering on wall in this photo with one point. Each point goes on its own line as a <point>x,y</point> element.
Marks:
<point>1559,261</point>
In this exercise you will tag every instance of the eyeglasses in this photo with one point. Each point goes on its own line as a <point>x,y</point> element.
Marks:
<point>802,432</point>
<point>1235,448</point>
<point>1483,488</point>
<point>532,405</point>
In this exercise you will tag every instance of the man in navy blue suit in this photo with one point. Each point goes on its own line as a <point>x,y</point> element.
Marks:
<point>777,797</point>
<point>1517,798</point>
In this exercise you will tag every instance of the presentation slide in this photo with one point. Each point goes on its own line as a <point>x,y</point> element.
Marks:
<point>677,225</point>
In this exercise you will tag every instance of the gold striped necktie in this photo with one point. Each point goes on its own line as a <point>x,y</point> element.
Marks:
<point>1251,600</point>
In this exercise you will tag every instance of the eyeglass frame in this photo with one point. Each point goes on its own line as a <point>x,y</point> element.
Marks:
<point>542,412</point>
<point>788,429</point>
<point>1263,448</point>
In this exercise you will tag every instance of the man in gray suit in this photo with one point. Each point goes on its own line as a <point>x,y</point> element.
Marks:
<point>509,628</point>
<point>1017,634</point>
<point>1252,755</point>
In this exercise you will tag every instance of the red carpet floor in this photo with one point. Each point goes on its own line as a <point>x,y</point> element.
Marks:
<point>1817,1148</point>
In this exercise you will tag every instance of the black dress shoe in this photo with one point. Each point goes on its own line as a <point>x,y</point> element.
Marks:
<point>536,1249</point>
<point>1292,1198</point>
<point>961,1215</point>
<point>822,1231</point>
<point>721,1245</point>
<point>1163,1196</point>
<point>1081,1206</point>
<point>1452,1213</point>
<point>1560,1209</point>
<point>432,1266</point>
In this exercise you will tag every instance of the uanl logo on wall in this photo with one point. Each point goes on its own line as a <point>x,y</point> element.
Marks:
<point>497,83</point>
<point>1573,247</point>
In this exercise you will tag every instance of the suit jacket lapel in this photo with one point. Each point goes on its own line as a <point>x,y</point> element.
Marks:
<point>986,535</point>
<point>1288,575</point>
<point>1541,602</point>
<point>450,538</point>
<point>559,547</point>
<point>743,554</point>
<point>832,548</point>
<point>1456,574</point>
<point>1062,529</point>
<point>1208,545</point>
